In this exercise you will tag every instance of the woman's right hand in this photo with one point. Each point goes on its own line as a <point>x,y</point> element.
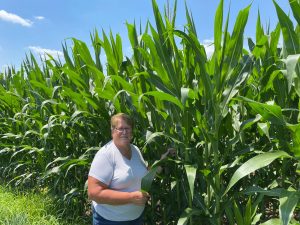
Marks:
<point>139,198</point>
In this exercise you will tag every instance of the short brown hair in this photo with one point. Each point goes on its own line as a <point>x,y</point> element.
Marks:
<point>123,116</point>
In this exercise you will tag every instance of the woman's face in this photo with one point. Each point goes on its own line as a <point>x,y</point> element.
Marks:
<point>122,133</point>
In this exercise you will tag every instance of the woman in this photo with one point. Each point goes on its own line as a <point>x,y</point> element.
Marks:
<point>114,181</point>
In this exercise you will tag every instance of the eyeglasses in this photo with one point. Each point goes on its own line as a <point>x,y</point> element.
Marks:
<point>122,130</point>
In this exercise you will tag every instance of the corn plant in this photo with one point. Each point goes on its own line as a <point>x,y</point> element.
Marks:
<point>233,117</point>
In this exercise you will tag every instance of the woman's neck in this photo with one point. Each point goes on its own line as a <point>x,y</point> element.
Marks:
<point>125,150</point>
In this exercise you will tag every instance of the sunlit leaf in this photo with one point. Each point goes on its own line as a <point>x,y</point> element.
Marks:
<point>253,164</point>
<point>191,175</point>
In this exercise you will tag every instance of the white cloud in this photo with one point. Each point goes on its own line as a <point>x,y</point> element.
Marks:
<point>44,51</point>
<point>13,18</point>
<point>4,68</point>
<point>39,17</point>
<point>209,47</point>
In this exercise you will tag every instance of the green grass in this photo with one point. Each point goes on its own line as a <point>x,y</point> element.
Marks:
<point>28,209</point>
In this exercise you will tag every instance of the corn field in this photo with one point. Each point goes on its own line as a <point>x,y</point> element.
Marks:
<point>233,118</point>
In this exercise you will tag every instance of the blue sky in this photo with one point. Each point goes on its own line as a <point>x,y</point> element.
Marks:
<point>42,26</point>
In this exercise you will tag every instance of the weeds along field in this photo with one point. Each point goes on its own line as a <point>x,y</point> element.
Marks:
<point>233,117</point>
<point>29,208</point>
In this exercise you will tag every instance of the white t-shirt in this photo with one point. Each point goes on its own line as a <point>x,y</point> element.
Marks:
<point>119,173</point>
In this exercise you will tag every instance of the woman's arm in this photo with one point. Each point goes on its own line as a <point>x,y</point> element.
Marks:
<point>170,152</point>
<point>100,193</point>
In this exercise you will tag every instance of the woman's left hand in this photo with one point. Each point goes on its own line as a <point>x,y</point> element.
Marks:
<point>170,152</point>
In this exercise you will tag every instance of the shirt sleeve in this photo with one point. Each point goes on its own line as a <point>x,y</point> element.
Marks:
<point>102,167</point>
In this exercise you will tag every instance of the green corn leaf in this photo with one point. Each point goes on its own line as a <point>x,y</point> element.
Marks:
<point>161,96</point>
<point>248,123</point>
<point>74,163</point>
<point>248,212</point>
<point>75,78</point>
<point>151,137</point>
<point>80,49</point>
<point>192,41</point>
<point>238,215</point>
<point>173,19</point>
<point>259,29</point>
<point>296,139</point>
<point>67,58</point>
<point>218,28</point>
<point>124,83</point>
<point>54,170</point>
<point>90,100</point>
<point>275,192</point>
<point>288,201</point>
<point>291,63</point>
<point>237,78</point>
<point>275,35</point>
<point>97,75</point>
<point>254,164</point>
<point>272,222</point>
<point>190,21</point>
<point>133,38</point>
<point>27,150</point>
<point>271,113</point>
<point>111,60</point>
<point>155,58</point>
<point>191,175</point>
<point>187,213</point>
<point>158,20</point>
<point>187,93</point>
<point>290,38</point>
<point>132,35</point>
<point>58,159</point>
<point>75,97</point>
<point>11,135</point>
<point>295,6</point>
<point>165,60</point>
<point>41,86</point>
<point>73,191</point>
<point>235,44</point>
<point>97,48</point>
<point>264,128</point>
<point>134,98</point>
<point>218,51</point>
<point>118,49</point>
<point>148,179</point>
<point>230,215</point>
<point>159,83</point>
